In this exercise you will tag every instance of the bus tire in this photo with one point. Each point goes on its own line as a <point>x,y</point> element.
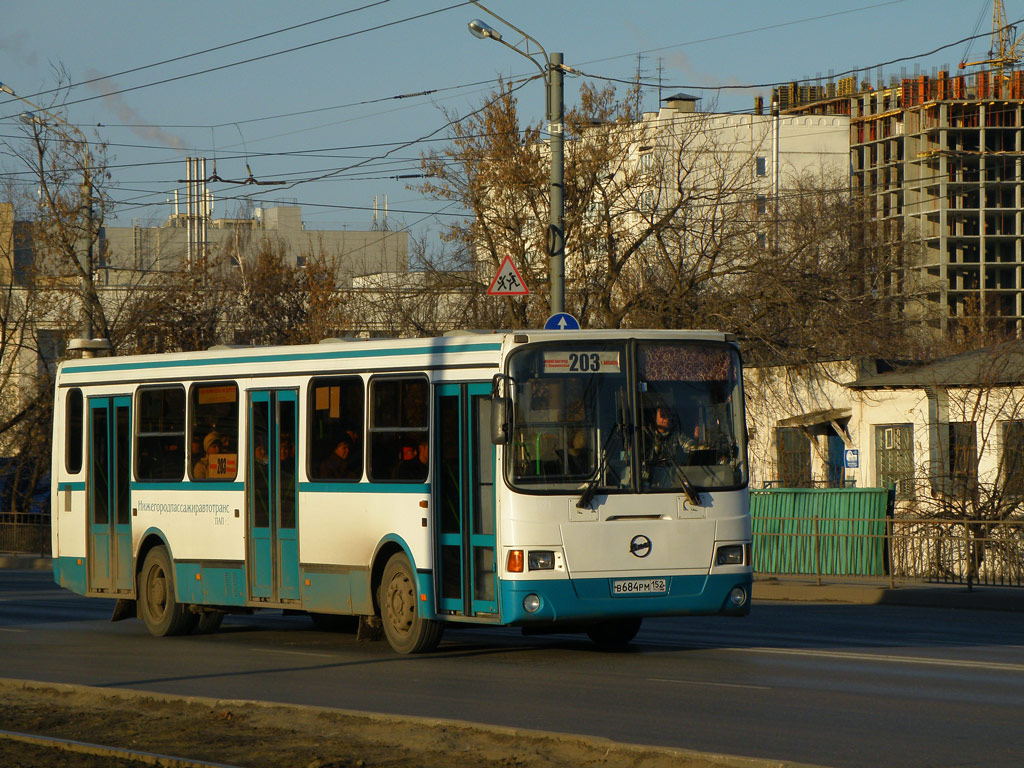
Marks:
<point>614,634</point>
<point>208,622</point>
<point>405,629</point>
<point>158,607</point>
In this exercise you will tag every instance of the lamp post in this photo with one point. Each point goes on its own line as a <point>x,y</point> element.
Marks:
<point>85,343</point>
<point>552,72</point>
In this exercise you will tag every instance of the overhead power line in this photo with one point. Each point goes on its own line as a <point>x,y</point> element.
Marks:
<point>263,57</point>
<point>208,50</point>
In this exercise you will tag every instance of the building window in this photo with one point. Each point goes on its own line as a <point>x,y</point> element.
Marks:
<point>647,162</point>
<point>51,349</point>
<point>794,456</point>
<point>647,201</point>
<point>963,458</point>
<point>1012,468</point>
<point>762,204</point>
<point>761,166</point>
<point>894,458</point>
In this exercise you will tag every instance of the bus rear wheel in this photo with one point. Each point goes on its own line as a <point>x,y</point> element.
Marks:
<point>208,622</point>
<point>158,607</point>
<point>406,630</point>
<point>615,634</point>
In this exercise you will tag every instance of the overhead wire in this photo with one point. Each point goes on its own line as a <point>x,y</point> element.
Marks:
<point>205,51</point>
<point>263,57</point>
<point>337,172</point>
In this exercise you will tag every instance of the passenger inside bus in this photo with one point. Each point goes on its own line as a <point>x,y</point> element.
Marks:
<point>211,447</point>
<point>340,463</point>
<point>413,462</point>
<point>578,455</point>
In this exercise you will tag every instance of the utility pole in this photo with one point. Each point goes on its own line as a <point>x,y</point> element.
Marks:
<point>552,71</point>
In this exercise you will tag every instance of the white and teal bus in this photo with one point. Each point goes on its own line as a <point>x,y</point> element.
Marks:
<point>551,480</point>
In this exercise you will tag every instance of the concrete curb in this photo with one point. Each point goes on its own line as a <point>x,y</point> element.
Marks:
<point>26,562</point>
<point>686,758</point>
<point>911,594</point>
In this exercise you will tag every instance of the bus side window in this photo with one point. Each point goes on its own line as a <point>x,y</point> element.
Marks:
<point>160,433</point>
<point>335,432</point>
<point>399,429</point>
<point>213,428</point>
<point>74,431</point>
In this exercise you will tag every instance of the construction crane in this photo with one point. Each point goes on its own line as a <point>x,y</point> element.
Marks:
<point>1006,49</point>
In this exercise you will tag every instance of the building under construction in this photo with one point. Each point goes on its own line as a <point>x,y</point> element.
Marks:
<point>938,161</point>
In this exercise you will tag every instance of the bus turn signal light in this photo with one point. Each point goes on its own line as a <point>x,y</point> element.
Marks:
<point>515,561</point>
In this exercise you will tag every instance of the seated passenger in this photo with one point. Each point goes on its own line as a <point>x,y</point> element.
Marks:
<point>413,464</point>
<point>211,446</point>
<point>340,463</point>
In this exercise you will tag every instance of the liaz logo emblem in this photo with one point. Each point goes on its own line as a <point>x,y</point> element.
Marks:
<point>640,546</point>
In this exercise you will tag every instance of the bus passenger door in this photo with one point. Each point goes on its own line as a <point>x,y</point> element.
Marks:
<point>110,534</point>
<point>464,501</point>
<point>272,496</point>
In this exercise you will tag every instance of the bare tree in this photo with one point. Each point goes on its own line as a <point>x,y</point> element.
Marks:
<point>972,466</point>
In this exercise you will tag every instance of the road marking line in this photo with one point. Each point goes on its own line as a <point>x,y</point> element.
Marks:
<point>704,682</point>
<point>297,653</point>
<point>990,665</point>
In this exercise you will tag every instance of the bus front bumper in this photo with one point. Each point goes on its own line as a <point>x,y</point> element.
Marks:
<point>576,600</point>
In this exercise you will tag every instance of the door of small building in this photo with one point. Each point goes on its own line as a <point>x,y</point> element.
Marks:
<point>109,491</point>
<point>272,495</point>
<point>464,479</point>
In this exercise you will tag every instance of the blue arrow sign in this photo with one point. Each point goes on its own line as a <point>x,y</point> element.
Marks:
<point>561,321</point>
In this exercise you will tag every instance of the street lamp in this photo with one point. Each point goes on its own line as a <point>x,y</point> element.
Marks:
<point>86,343</point>
<point>552,70</point>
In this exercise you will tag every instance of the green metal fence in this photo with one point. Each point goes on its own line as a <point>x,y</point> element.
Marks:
<point>821,531</point>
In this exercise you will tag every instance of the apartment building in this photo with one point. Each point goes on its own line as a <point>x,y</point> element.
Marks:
<point>938,160</point>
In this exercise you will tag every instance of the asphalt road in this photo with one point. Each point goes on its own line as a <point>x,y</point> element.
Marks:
<point>839,685</point>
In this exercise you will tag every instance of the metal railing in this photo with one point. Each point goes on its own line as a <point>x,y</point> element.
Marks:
<point>922,549</point>
<point>24,535</point>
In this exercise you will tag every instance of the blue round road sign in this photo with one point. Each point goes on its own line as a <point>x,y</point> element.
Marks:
<point>561,321</point>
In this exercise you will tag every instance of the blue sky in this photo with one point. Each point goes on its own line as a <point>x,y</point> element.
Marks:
<point>325,106</point>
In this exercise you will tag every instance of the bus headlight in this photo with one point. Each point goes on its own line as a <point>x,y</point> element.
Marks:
<point>731,554</point>
<point>738,596</point>
<point>531,603</point>
<point>541,560</point>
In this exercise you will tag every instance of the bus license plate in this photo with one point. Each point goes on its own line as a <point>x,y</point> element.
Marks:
<point>639,587</point>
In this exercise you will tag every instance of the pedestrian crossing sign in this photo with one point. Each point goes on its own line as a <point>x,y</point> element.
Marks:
<point>508,281</point>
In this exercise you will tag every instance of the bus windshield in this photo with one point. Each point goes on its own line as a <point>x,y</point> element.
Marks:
<point>627,417</point>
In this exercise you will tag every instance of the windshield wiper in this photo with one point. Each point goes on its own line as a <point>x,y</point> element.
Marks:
<point>591,490</point>
<point>691,492</point>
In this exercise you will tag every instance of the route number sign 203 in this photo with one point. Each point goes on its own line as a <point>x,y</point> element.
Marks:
<point>582,362</point>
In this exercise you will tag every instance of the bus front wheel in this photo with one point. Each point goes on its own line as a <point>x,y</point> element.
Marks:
<point>158,606</point>
<point>406,630</point>
<point>614,634</point>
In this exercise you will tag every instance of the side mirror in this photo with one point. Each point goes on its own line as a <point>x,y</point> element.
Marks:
<point>501,409</point>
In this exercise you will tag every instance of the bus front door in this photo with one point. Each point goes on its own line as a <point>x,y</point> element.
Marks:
<point>464,503</point>
<point>109,503</point>
<point>272,496</point>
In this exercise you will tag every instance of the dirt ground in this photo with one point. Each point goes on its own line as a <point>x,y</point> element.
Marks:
<point>257,735</point>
